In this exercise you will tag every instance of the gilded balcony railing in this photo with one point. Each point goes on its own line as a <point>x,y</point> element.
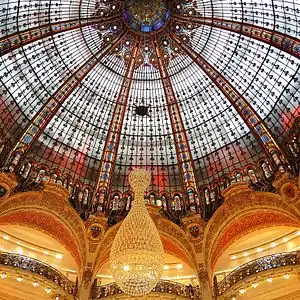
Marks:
<point>39,268</point>
<point>163,286</point>
<point>257,266</point>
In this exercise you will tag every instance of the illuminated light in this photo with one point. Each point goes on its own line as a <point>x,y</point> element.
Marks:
<point>19,278</point>
<point>242,291</point>
<point>246,254</point>
<point>298,232</point>
<point>254,284</point>
<point>259,249</point>
<point>46,252</point>
<point>19,250</point>
<point>48,290</point>
<point>126,268</point>
<point>286,276</point>
<point>166,267</point>
<point>285,239</point>
<point>269,279</point>
<point>3,275</point>
<point>233,298</point>
<point>273,245</point>
<point>179,266</point>
<point>35,284</point>
<point>56,298</point>
<point>233,257</point>
<point>59,256</point>
<point>6,237</point>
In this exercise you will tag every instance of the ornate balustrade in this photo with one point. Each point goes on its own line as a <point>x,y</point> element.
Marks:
<point>257,266</point>
<point>163,286</point>
<point>39,268</point>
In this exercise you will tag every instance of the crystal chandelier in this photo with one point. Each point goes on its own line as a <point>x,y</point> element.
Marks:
<point>137,255</point>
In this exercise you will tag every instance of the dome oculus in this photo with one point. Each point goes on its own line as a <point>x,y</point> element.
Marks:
<point>146,15</point>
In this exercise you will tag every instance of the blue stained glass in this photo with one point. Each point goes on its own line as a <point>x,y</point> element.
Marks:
<point>146,28</point>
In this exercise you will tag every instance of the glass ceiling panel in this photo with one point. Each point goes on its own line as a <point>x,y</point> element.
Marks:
<point>220,141</point>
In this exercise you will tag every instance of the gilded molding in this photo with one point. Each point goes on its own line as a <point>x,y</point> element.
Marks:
<point>8,181</point>
<point>49,203</point>
<point>239,200</point>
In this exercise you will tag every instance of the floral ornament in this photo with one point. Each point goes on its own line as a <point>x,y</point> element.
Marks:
<point>146,19</point>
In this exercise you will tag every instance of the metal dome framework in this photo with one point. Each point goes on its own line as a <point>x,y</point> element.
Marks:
<point>220,80</point>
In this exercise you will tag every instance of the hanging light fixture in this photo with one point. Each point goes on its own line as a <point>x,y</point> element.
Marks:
<point>137,255</point>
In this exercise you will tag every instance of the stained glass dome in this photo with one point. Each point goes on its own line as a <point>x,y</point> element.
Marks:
<point>88,91</point>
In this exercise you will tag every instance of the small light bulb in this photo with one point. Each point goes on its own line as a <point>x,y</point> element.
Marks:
<point>254,284</point>
<point>242,291</point>
<point>48,290</point>
<point>287,276</point>
<point>3,275</point>
<point>269,279</point>
<point>179,266</point>
<point>126,268</point>
<point>35,283</point>
<point>259,249</point>
<point>166,267</point>
<point>233,257</point>
<point>19,278</point>
<point>58,256</point>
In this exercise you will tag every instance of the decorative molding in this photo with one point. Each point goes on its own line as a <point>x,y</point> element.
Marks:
<point>241,201</point>
<point>49,212</point>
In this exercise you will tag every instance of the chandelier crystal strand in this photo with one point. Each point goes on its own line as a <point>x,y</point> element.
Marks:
<point>137,254</point>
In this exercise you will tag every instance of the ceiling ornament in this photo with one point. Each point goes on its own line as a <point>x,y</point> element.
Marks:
<point>137,255</point>
<point>146,19</point>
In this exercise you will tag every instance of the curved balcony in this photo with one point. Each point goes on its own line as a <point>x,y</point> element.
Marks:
<point>36,267</point>
<point>257,266</point>
<point>163,286</point>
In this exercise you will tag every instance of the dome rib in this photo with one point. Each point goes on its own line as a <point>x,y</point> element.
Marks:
<point>183,151</point>
<point>109,154</point>
<point>239,103</point>
<point>22,38</point>
<point>274,38</point>
<point>36,126</point>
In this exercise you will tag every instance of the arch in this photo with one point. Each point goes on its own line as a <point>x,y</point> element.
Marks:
<point>243,211</point>
<point>50,212</point>
<point>172,236</point>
